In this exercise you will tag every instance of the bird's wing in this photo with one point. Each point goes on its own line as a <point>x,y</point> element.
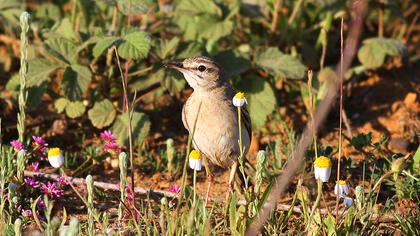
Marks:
<point>184,118</point>
<point>246,119</point>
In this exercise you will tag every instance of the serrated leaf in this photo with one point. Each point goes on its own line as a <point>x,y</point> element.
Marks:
<point>165,47</point>
<point>134,45</point>
<point>102,114</point>
<point>188,49</point>
<point>60,104</point>
<point>140,124</point>
<point>102,45</point>
<point>173,82</point>
<point>232,63</point>
<point>261,99</point>
<point>35,95</point>
<point>62,49</point>
<point>65,29</point>
<point>39,71</point>
<point>75,81</point>
<point>374,51</point>
<point>75,109</point>
<point>135,7</point>
<point>277,63</point>
<point>195,7</point>
<point>48,11</point>
<point>218,30</point>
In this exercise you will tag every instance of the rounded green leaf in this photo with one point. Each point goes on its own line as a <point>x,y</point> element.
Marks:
<point>374,51</point>
<point>75,81</point>
<point>277,63</point>
<point>140,124</point>
<point>261,99</point>
<point>135,45</point>
<point>60,104</point>
<point>102,45</point>
<point>75,109</point>
<point>102,114</point>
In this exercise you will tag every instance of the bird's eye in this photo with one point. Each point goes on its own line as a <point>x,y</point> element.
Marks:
<point>201,68</point>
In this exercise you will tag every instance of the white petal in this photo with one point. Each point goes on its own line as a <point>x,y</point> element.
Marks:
<point>238,102</point>
<point>195,164</point>
<point>56,161</point>
<point>348,201</point>
<point>322,173</point>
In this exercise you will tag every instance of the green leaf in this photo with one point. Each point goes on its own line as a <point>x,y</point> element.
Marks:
<point>39,71</point>
<point>102,114</point>
<point>361,140</point>
<point>140,124</point>
<point>60,104</point>
<point>173,82</point>
<point>102,45</point>
<point>75,109</point>
<point>65,29</point>
<point>35,95</point>
<point>165,47</point>
<point>48,11</point>
<point>135,7</point>
<point>196,7</point>
<point>134,45</point>
<point>62,49</point>
<point>261,99</point>
<point>374,51</point>
<point>416,158</point>
<point>75,81</point>
<point>277,63</point>
<point>218,30</point>
<point>233,63</point>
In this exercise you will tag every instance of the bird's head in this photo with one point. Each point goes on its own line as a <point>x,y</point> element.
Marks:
<point>201,73</point>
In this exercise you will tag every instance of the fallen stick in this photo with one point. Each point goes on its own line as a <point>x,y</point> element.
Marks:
<point>160,193</point>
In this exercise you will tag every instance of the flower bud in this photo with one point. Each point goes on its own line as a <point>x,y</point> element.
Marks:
<point>55,157</point>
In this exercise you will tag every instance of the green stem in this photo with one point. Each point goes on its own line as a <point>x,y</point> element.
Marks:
<point>317,200</point>
<point>23,94</point>
<point>194,185</point>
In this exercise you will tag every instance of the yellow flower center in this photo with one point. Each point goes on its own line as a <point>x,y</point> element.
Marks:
<point>323,162</point>
<point>240,95</point>
<point>342,182</point>
<point>194,154</point>
<point>54,152</point>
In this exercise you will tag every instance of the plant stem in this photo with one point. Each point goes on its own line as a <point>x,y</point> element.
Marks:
<point>194,185</point>
<point>317,200</point>
<point>340,136</point>
<point>23,94</point>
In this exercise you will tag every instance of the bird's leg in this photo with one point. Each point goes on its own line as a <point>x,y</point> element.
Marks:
<point>232,175</point>
<point>210,179</point>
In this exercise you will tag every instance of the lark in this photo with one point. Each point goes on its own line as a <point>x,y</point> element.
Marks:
<point>210,117</point>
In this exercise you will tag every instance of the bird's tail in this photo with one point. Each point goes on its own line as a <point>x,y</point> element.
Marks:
<point>244,179</point>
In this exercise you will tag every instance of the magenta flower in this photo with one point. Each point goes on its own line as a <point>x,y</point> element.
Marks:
<point>27,213</point>
<point>62,181</point>
<point>17,145</point>
<point>52,190</point>
<point>31,182</point>
<point>111,147</point>
<point>40,217</point>
<point>39,145</point>
<point>130,193</point>
<point>35,166</point>
<point>41,204</point>
<point>174,189</point>
<point>108,136</point>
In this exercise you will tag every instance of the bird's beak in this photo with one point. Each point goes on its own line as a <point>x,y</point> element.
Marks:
<point>175,65</point>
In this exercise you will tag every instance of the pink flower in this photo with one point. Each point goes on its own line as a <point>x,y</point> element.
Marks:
<point>52,190</point>
<point>40,217</point>
<point>130,193</point>
<point>27,213</point>
<point>62,181</point>
<point>41,204</point>
<point>174,189</point>
<point>17,145</point>
<point>35,166</point>
<point>108,136</point>
<point>113,147</point>
<point>39,145</point>
<point>31,182</point>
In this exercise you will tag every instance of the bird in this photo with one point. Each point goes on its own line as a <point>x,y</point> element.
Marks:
<point>210,116</point>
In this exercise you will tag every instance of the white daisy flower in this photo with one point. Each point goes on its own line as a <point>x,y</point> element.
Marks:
<point>195,160</point>
<point>239,99</point>
<point>348,201</point>
<point>55,157</point>
<point>322,168</point>
<point>341,188</point>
